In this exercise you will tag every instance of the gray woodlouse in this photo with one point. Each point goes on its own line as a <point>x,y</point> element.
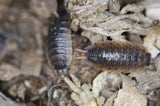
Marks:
<point>117,55</point>
<point>59,44</point>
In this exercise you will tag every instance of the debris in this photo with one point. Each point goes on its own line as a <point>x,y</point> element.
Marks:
<point>27,23</point>
<point>8,71</point>
<point>42,8</point>
<point>86,94</point>
<point>147,80</point>
<point>110,101</point>
<point>18,90</point>
<point>152,8</point>
<point>83,95</point>
<point>31,64</point>
<point>92,16</point>
<point>152,41</point>
<point>6,101</point>
<point>129,95</point>
<point>59,95</point>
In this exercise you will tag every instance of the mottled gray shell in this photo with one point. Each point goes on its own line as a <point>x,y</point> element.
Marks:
<point>59,45</point>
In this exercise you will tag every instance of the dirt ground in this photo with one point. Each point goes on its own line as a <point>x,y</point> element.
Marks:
<point>27,79</point>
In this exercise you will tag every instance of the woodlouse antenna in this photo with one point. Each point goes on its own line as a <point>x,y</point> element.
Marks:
<point>81,51</point>
<point>81,57</point>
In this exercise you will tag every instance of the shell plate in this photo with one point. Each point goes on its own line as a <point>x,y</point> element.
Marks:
<point>59,44</point>
<point>114,55</point>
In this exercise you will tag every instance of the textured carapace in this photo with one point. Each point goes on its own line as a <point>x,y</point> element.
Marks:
<point>118,55</point>
<point>59,41</point>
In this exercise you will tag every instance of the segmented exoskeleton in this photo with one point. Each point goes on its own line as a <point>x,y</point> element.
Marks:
<point>59,41</point>
<point>117,55</point>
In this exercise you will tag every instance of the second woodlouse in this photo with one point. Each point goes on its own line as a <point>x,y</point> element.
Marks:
<point>117,55</point>
<point>59,41</point>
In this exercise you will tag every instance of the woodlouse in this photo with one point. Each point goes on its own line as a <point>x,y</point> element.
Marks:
<point>117,55</point>
<point>59,41</point>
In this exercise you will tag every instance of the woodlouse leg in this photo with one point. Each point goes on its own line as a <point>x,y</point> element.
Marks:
<point>146,69</point>
<point>56,80</point>
<point>156,45</point>
<point>79,69</point>
<point>154,68</point>
<point>61,74</point>
<point>156,57</point>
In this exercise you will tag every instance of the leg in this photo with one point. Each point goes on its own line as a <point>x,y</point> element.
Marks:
<point>79,69</point>
<point>156,57</point>
<point>146,69</point>
<point>57,78</point>
<point>156,45</point>
<point>154,68</point>
<point>61,73</point>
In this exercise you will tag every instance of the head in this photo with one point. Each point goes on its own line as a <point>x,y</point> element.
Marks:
<point>60,66</point>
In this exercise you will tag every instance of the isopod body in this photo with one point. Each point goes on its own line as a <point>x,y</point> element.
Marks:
<point>59,41</point>
<point>118,55</point>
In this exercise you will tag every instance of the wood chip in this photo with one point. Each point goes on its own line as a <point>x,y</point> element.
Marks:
<point>18,90</point>
<point>7,72</point>
<point>149,41</point>
<point>129,95</point>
